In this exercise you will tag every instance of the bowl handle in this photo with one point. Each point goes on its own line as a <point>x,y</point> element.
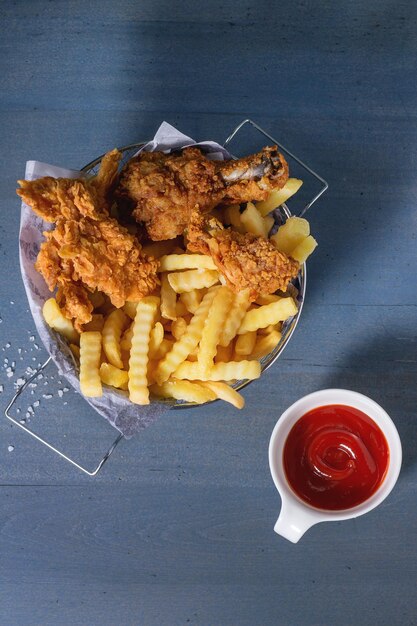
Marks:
<point>294,520</point>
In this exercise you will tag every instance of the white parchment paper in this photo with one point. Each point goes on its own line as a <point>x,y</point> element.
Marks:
<point>114,405</point>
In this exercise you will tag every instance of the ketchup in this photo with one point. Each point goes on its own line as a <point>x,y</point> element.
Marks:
<point>335,457</point>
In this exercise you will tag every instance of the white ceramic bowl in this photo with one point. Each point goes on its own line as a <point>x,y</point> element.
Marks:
<point>296,516</point>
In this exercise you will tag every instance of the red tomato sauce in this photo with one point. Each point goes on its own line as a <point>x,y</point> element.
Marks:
<point>335,457</point>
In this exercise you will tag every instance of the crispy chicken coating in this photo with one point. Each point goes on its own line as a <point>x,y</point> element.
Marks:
<point>87,249</point>
<point>162,190</point>
<point>246,261</point>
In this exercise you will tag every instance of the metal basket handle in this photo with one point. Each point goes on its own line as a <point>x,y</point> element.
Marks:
<point>324,187</point>
<point>15,421</point>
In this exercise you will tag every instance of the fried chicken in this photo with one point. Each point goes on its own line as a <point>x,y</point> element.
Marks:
<point>162,190</point>
<point>246,261</point>
<point>87,249</point>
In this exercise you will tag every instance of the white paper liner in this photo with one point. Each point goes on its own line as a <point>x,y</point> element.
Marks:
<point>114,405</point>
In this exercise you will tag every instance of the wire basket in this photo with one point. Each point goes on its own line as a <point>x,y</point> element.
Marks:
<point>297,288</point>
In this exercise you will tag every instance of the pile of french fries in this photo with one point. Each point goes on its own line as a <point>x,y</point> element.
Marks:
<point>196,336</point>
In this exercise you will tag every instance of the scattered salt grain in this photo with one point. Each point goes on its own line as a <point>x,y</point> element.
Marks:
<point>40,376</point>
<point>35,345</point>
<point>1,388</point>
<point>60,393</point>
<point>10,448</point>
<point>11,301</point>
<point>36,403</point>
<point>9,372</point>
<point>47,396</point>
<point>8,344</point>
<point>27,415</point>
<point>22,421</point>
<point>19,350</point>
<point>65,389</point>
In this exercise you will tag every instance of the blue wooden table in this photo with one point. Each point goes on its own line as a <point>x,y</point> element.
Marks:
<point>177,527</point>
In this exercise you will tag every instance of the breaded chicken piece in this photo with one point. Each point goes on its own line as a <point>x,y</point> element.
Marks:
<point>87,249</point>
<point>246,261</point>
<point>53,198</point>
<point>162,190</point>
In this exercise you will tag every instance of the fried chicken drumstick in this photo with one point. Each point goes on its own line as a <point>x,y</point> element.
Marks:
<point>164,189</point>
<point>87,249</point>
<point>246,261</point>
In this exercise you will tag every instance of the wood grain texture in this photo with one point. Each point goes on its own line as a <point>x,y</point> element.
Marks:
<point>177,528</point>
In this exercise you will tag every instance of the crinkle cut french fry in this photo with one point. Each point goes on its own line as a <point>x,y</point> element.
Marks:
<point>192,279</point>
<point>254,222</point>
<point>232,217</point>
<point>113,376</point>
<point>268,314</point>
<point>189,340</point>
<point>156,338</point>
<point>267,299</point>
<point>54,317</point>
<point>139,353</point>
<point>269,222</point>
<point>112,331</point>
<point>164,348</point>
<point>191,299</point>
<point>175,262</point>
<point>168,299</point>
<point>270,328</point>
<point>233,370</point>
<point>90,350</point>
<point>265,344</point>
<point>277,197</point>
<point>184,390</point>
<point>245,343</point>
<point>130,309</point>
<point>224,392</point>
<point>291,234</point>
<point>178,327</point>
<point>215,321</point>
<point>235,316</point>
<point>126,340</point>
<point>180,309</point>
<point>304,249</point>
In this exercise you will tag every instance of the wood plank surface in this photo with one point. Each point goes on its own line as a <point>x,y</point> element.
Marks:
<point>177,527</point>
